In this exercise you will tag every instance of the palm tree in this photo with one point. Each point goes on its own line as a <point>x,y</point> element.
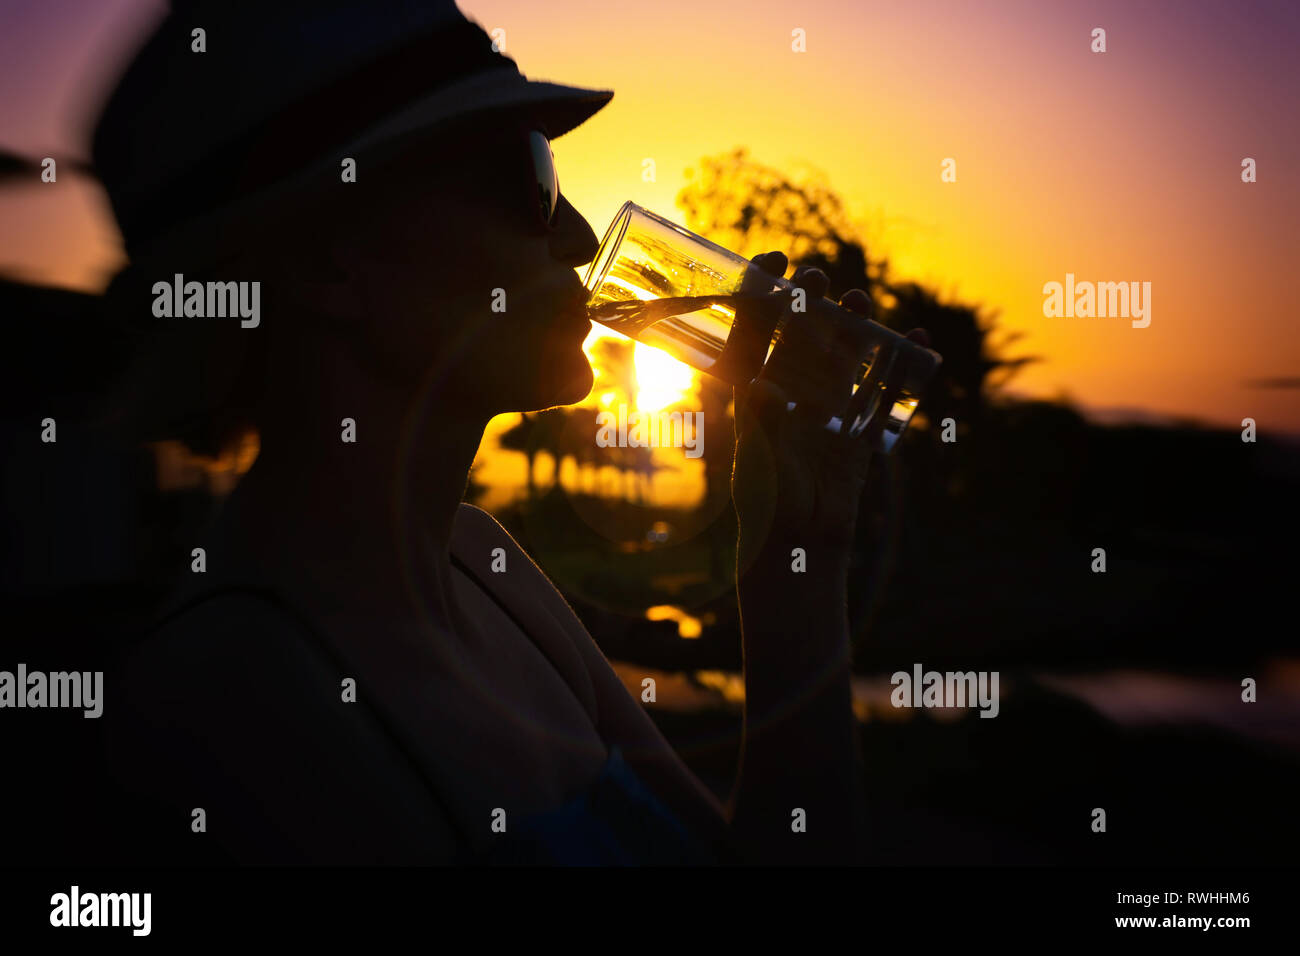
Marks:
<point>751,208</point>
<point>615,365</point>
<point>523,437</point>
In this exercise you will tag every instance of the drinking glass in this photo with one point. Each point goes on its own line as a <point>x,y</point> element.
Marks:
<point>659,283</point>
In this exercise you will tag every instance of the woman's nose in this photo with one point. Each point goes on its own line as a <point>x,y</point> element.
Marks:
<point>573,242</point>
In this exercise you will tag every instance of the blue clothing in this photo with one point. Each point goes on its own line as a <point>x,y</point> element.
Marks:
<point>617,822</point>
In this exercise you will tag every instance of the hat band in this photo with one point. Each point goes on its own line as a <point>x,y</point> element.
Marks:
<point>309,128</point>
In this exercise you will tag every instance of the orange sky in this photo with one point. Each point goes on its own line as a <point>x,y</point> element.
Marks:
<point>1120,166</point>
<point>1123,166</point>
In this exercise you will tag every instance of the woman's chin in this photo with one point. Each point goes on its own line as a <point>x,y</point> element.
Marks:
<point>576,386</point>
<point>561,381</point>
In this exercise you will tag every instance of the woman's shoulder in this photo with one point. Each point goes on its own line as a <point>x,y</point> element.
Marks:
<point>492,554</point>
<point>476,530</point>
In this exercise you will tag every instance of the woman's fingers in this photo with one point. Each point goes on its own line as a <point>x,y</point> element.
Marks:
<point>817,353</point>
<point>855,300</point>
<point>813,281</point>
<point>818,357</point>
<point>751,330</point>
<point>773,263</point>
<point>859,337</point>
<point>892,385</point>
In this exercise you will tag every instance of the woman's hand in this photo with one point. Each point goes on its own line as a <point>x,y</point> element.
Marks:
<point>796,482</point>
<point>797,485</point>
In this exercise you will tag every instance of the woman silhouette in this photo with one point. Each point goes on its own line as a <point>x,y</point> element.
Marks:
<point>360,667</point>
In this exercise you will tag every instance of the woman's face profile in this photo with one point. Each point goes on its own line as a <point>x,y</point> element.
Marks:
<point>447,273</point>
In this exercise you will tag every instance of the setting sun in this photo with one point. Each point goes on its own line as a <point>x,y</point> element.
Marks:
<point>661,380</point>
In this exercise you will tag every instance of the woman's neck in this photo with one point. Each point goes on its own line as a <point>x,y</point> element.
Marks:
<point>361,482</point>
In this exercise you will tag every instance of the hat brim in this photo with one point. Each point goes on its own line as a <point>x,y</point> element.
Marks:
<point>560,107</point>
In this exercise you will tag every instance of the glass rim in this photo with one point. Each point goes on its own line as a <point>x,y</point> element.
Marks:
<point>604,258</point>
<point>613,239</point>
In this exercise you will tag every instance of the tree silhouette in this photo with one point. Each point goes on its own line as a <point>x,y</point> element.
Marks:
<point>614,362</point>
<point>569,433</point>
<point>524,437</point>
<point>751,208</point>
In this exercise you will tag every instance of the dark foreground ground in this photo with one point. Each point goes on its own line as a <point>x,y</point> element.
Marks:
<point>989,572</point>
<point>1021,788</point>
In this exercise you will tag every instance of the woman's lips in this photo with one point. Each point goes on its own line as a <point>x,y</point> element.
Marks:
<point>578,322</point>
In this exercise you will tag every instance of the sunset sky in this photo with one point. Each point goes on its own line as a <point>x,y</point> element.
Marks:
<point>1122,166</point>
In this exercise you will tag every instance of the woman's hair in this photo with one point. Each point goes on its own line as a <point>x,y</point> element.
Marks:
<point>198,380</point>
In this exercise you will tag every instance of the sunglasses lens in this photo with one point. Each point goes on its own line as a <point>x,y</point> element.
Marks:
<point>548,183</point>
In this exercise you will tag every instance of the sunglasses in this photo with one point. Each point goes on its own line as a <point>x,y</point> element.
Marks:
<point>509,165</point>
<point>542,182</point>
